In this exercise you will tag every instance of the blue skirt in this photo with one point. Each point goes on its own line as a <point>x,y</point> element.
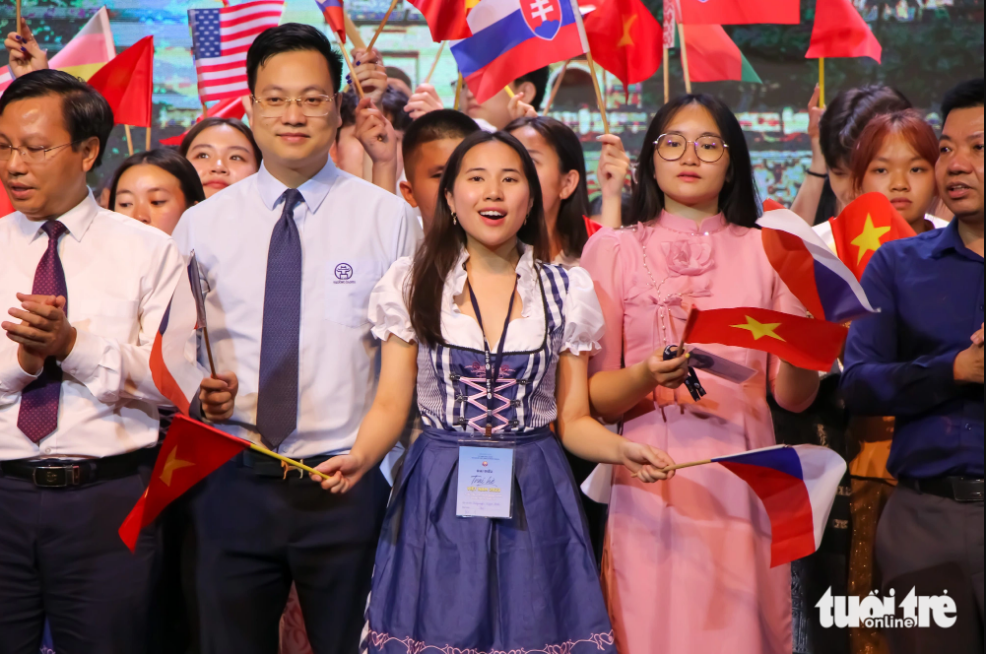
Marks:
<point>523,585</point>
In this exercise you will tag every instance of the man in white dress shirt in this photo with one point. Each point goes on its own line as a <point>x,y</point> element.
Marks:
<point>288,258</point>
<point>87,289</point>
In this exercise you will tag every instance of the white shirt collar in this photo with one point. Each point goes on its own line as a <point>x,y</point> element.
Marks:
<point>313,191</point>
<point>77,220</point>
<point>527,282</point>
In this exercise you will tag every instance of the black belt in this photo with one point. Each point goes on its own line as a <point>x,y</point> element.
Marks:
<point>960,489</point>
<point>59,473</point>
<point>265,466</point>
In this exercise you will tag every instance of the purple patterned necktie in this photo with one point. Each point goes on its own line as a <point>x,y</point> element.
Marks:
<point>277,399</point>
<point>38,415</point>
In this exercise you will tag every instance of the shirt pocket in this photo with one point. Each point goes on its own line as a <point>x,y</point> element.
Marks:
<point>348,283</point>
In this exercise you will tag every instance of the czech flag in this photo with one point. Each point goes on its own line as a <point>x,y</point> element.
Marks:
<point>816,276</point>
<point>510,38</point>
<point>173,362</point>
<point>797,486</point>
<point>335,16</point>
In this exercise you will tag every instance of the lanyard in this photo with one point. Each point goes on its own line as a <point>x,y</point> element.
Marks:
<point>492,372</point>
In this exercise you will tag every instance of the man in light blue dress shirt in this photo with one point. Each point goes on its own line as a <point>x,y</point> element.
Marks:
<point>288,258</point>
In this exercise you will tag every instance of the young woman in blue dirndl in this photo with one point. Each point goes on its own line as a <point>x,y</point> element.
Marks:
<point>484,547</point>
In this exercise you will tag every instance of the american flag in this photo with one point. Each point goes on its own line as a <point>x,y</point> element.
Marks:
<point>220,40</point>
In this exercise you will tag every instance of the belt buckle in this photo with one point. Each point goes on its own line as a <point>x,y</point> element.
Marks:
<point>57,476</point>
<point>967,490</point>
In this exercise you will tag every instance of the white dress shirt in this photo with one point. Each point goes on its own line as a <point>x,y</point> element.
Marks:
<point>351,233</point>
<point>120,275</point>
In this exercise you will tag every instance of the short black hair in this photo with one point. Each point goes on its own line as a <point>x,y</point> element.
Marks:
<point>393,103</point>
<point>87,114</point>
<point>347,109</point>
<point>216,121</point>
<point>435,126</point>
<point>291,37</point>
<point>539,78</point>
<point>964,96</point>
<point>848,115</point>
<point>170,161</point>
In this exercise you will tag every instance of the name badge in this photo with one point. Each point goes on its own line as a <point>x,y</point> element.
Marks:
<point>486,476</point>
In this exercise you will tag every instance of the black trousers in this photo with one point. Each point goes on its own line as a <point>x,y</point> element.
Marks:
<point>255,535</point>
<point>933,545</point>
<point>62,558</point>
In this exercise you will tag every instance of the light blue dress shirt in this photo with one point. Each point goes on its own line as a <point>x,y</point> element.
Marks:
<point>351,232</point>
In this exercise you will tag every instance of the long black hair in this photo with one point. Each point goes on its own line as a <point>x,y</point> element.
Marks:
<point>170,161</point>
<point>738,199</point>
<point>216,121</point>
<point>444,241</point>
<point>571,224</point>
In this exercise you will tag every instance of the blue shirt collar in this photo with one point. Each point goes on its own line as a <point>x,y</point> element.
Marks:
<point>949,240</point>
<point>313,191</point>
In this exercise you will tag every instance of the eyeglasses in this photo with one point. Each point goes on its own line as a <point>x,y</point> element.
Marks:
<point>312,106</point>
<point>708,149</point>
<point>29,154</point>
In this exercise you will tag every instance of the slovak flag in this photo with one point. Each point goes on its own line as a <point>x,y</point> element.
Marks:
<point>511,38</point>
<point>816,276</point>
<point>797,486</point>
<point>173,362</point>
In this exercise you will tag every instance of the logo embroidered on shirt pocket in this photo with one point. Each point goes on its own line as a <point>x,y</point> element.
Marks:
<point>348,283</point>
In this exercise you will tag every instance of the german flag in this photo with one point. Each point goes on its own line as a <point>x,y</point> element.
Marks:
<point>802,342</point>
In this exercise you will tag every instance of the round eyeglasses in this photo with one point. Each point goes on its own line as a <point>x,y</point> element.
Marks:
<point>708,149</point>
<point>275,106</point>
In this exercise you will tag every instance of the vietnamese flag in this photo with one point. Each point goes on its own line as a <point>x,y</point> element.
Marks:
<point>865,225</point>
<point>190,451</point>
<point>738,12</point>
<point>625,40</point>
<point>127,83</point>
<point>713,57</point>
<point>839,31</point>
<point>802,342</point>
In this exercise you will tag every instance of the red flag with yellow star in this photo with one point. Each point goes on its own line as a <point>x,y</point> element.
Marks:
<point>625,39</point>
<point>189,453</point>
<point>862,227</point>
<point>802,342</point>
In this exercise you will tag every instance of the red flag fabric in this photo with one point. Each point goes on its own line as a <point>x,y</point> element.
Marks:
<point>865,225</point>
<point>802,342</point>
<point>840,31</point>
<point>714,57</point>
<point>738,12</point>
<point>624,37</point>
<point>228,108</point>
<point>189,453</point>
<point>446,18</point>
<point>6,207</point>
<point>591,226</point>
<point>127,83</point>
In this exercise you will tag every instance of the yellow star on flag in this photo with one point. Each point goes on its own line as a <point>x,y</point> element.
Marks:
<point>869,239</point>
<point>628,22</point>
<point>759,329</point>
<point>171,464</point>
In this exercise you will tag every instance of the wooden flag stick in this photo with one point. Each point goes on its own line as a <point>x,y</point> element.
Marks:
<point>556,86</point>
<point>510,91</point>
<point>458,93</point>
<point>821,82</point>
<point>434,64</point>
<point>352,33</point>
<point>599,95</point>
<point>147,139</point>
<point>690,464</point>
<point>130,143</point>
<point>208,351</point>
<point>684,59</point>
<point>205,110</point>
<point>291,462</point>
<point>17,25</point>
<point>386,17</point>
<point>667,75</point>
<point>352,72</point>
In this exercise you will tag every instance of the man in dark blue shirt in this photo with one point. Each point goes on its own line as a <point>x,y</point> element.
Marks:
<point>920,360</point>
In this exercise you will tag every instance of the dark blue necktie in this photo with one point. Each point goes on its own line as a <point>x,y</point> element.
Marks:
<point>277,401</point>
<point>38,415</point>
